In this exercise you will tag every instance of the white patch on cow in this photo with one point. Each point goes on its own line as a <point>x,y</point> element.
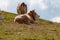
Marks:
<point>29,17</point>
<point>19,16</point>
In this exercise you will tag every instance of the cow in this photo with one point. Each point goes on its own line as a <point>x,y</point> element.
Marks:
<point>22,8</point>
<point>27,18</point>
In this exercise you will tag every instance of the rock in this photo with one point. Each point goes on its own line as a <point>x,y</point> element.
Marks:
<point>1,16</point>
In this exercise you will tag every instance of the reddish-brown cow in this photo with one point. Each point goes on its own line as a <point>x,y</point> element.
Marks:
<point>22,8</point>
<point>27,18</point>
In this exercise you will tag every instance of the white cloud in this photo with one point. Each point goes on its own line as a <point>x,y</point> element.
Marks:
<point>4,4</point>
<point>31,4</point>
<point>56,19</point>
<point>54,3</point>
<point>37,3</point>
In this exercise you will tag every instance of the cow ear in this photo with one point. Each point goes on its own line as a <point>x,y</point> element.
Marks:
<point>33,10</point>
<point>30,11</point>
<point>23,3</point>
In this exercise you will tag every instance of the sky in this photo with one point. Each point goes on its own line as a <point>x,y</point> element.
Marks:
<point>47,9</point>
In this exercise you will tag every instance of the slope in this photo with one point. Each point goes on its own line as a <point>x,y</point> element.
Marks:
<point>43,30</point>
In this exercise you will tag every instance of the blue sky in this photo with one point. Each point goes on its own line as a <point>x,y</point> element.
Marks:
<point>47,9</point>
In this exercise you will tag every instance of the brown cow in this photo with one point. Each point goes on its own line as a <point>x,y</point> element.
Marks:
<point>22,8</point>
<point>27,18</point>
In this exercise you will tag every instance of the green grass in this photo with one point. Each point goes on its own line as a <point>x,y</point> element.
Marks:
<point>43,30</point>
<point>8,17</point>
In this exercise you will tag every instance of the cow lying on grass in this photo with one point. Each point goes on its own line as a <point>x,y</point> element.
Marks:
<point>27,18</point>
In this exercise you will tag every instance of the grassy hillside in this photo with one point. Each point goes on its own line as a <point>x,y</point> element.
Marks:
<point>43,30</point>
<point>8,17</point>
